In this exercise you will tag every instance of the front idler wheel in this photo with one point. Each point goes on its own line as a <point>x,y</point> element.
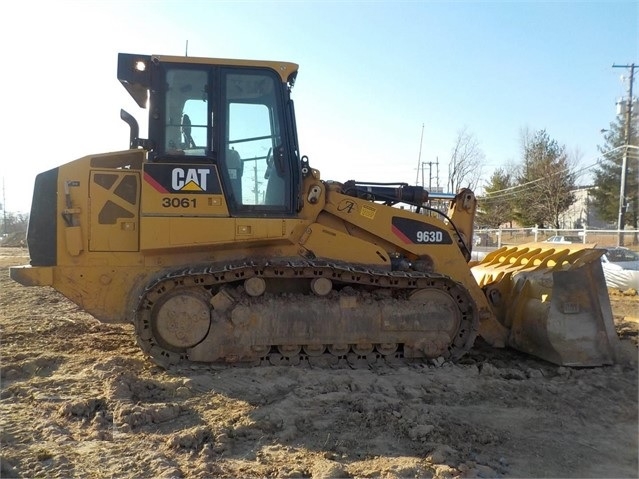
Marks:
<point>181,319</point>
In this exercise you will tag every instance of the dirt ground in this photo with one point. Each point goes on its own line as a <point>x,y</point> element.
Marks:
<point>78,399</point>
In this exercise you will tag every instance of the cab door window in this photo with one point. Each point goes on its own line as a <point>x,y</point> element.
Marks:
<point>250,144</point>
<point>257,169</point>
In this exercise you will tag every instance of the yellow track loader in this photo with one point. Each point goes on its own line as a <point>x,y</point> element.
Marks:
<point>221,244</point>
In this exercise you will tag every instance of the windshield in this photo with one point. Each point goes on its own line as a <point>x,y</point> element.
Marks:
<point>622,255</point>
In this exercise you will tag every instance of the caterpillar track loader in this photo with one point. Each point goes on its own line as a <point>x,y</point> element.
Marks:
<point>221,243</point>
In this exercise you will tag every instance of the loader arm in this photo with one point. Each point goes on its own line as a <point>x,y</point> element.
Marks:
<point>420,242</point>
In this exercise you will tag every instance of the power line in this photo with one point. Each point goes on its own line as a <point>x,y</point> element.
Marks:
<point>498,194</point>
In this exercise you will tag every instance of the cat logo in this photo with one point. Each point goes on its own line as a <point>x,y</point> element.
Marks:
<point>183,179</point>
<point>191,179</point>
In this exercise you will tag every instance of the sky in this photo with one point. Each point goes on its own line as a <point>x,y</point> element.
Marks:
<point>382,87</point>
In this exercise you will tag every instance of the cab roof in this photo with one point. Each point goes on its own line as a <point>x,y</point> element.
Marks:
<point>133,70</point>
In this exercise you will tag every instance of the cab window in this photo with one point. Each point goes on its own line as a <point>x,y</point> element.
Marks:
<point>186,112</point>
<point>257,168</point>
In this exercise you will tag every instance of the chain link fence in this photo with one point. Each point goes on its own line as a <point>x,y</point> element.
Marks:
<point>513,236</point>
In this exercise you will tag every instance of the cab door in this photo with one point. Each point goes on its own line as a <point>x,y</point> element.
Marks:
<point>258,164</point>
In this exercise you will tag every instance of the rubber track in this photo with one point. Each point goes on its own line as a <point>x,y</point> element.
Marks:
<point>212,275</point>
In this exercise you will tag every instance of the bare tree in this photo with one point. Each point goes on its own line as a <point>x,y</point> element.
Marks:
<point>466,162</point>
<point>13,223</point>
<point>525,139</point>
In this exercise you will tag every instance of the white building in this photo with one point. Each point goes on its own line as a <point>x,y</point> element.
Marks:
<point>582,213</point>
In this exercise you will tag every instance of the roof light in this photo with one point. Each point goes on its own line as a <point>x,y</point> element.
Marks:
<point>140,65</point>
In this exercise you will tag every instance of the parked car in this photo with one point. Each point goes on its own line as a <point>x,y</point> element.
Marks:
<point>483,239</point>
<point>621,268</point>
<point>564,239</point>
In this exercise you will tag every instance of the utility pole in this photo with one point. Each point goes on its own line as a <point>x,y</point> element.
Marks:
<point>430,174</point>
<point>419,159</point>
<point>624,163</point>
<point>256,187</point>
<point>4,209</point>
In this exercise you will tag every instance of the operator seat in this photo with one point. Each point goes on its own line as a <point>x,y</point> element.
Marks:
<point>276,186</point>
<point>275,189</point>
<point>235,167</point>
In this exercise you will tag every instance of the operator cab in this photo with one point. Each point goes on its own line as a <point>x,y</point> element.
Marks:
<point>234,114</point>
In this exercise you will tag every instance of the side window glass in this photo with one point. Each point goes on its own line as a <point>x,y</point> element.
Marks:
<point>186,112</point>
